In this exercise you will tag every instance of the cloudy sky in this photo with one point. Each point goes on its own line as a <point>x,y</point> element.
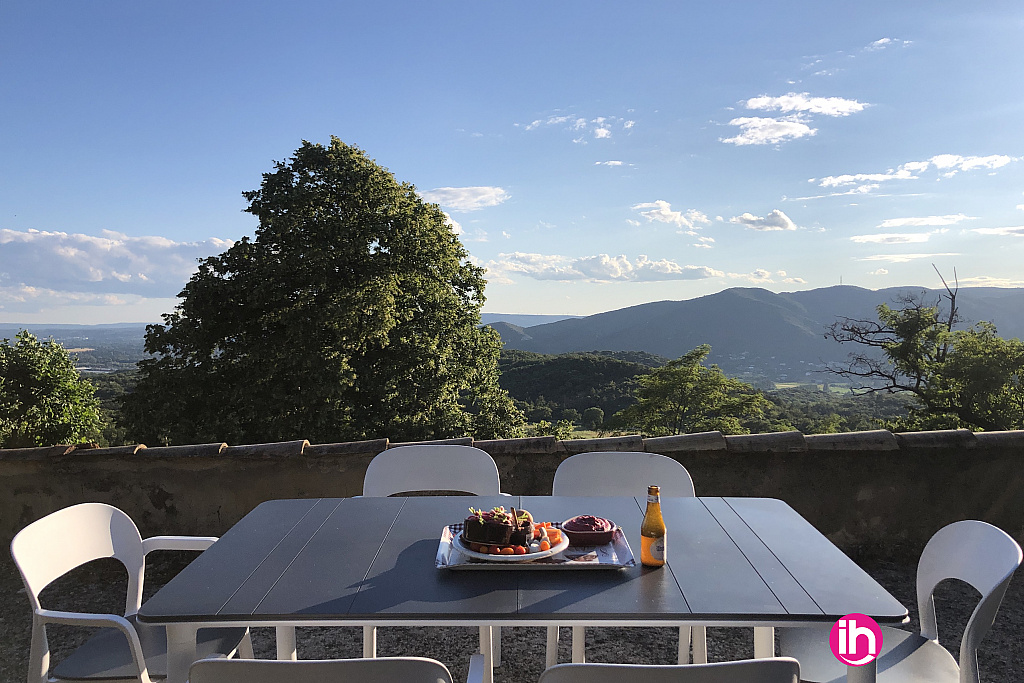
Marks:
<point>592,155</point>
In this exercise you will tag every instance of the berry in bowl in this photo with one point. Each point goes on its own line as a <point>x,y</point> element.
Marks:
<point>588,530</point>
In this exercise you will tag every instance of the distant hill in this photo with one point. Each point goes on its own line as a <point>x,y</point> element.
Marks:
<point>753,330</point>
<point>521,319</point>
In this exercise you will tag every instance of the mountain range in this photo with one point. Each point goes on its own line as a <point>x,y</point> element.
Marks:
<point>753,330</point>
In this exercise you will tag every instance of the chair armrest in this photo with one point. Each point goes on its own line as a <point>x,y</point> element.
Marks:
<point>476,669</point>
<point>177,543</point>
<point>89,619</point>
<point>52,616</point>
<point>504,494</point>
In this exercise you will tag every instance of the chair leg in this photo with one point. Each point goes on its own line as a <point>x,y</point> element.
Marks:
<point>245,646</point>
<point>684,644</point>
<point>551,653</point>
<point>369,642</point>
<point>700,645</point>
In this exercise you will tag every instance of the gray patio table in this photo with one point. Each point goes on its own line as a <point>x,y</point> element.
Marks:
<point>750,562</point>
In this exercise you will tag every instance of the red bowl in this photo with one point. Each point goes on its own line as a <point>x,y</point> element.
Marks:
<point>579,538</point>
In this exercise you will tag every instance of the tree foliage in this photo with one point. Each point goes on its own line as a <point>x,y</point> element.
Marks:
<point>354,313</point>
<point>970,378</point>
<point>547,385</point>
<point>686,396</point>
<point>43,401</point>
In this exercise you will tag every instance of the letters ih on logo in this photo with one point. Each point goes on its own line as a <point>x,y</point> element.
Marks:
<point>856,639</point>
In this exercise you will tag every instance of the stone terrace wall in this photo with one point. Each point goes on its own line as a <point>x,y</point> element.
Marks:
<point>870,492</point>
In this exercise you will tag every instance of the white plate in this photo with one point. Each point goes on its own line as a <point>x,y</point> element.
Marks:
<point>555,549</point>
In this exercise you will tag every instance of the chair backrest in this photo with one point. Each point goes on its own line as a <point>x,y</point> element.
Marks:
<point>432,467</point>
<point>979,554</point>
<point>379,670</point>
<point>776,670</point>
<point>54,545</point>
<point>618,473</point>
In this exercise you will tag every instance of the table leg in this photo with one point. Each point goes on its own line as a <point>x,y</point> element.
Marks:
<point>684,645</point>
<point>764,642</point>
<point>487,650</point>
<point>579,645</point>
<point>286,642</point>
<point>862,674</point>
<point>700,644</point>
<point>369,642</point>
<point>551,652</point>
<point>181,651</point>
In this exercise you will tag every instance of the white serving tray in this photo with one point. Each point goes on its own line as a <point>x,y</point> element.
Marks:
<point>614,555</point>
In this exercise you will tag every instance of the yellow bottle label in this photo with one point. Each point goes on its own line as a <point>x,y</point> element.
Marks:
<point>652,551</point>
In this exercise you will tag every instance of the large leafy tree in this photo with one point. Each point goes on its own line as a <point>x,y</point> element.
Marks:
<point>43,400</point>
<point>354,313</point>
<point>686,396</point>
<point>954,377</point>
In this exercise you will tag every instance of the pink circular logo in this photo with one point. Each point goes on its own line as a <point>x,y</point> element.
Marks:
<point>856,639</point>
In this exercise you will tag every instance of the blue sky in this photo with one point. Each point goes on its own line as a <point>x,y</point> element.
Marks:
<point>592,155</point>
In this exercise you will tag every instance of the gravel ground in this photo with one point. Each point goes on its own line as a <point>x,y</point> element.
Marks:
<point>100,586</point>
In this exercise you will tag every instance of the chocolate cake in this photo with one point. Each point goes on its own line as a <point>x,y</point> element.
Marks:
<point>498,526</point>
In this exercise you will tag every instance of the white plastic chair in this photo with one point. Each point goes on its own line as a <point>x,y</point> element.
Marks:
<point>432,467</point>
<point>975,552</point>
<point>625,473</point>
<point>778,670</point>
<point>382,670</point>
<point>123,649</point>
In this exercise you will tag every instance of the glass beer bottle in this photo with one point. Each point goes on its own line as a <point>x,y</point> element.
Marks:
<point>652,531</point>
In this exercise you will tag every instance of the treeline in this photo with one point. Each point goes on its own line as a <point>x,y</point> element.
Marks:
<point>553,387</point>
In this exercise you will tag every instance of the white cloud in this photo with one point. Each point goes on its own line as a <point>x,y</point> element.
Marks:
<point>797,107</point>
<point>607,163</point>
<point>44,265</point>
<point>949,219</point>
<point>582,128</point>
<point>948,164</point>
<point>456,226</point>
<point>880,271</point>
<point>466,198</point>
<point>989,281</point>
<point>892,238</point>
<point>901,258</point>
<point>1021,207</point>
<point>661,211</point>
<point>757,276</point>
<point>599,268</point>
<point>776,220</point>
<point>1015,231</point>
<point>952,163</point>
<point>880,44</point>
<point>27,299</point>
<point>768,131</point>
<point>794,281</point>
<point>804,103</point>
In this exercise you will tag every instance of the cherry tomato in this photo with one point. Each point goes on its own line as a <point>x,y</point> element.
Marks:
<point>508,550</point>
<point>520,550</point>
